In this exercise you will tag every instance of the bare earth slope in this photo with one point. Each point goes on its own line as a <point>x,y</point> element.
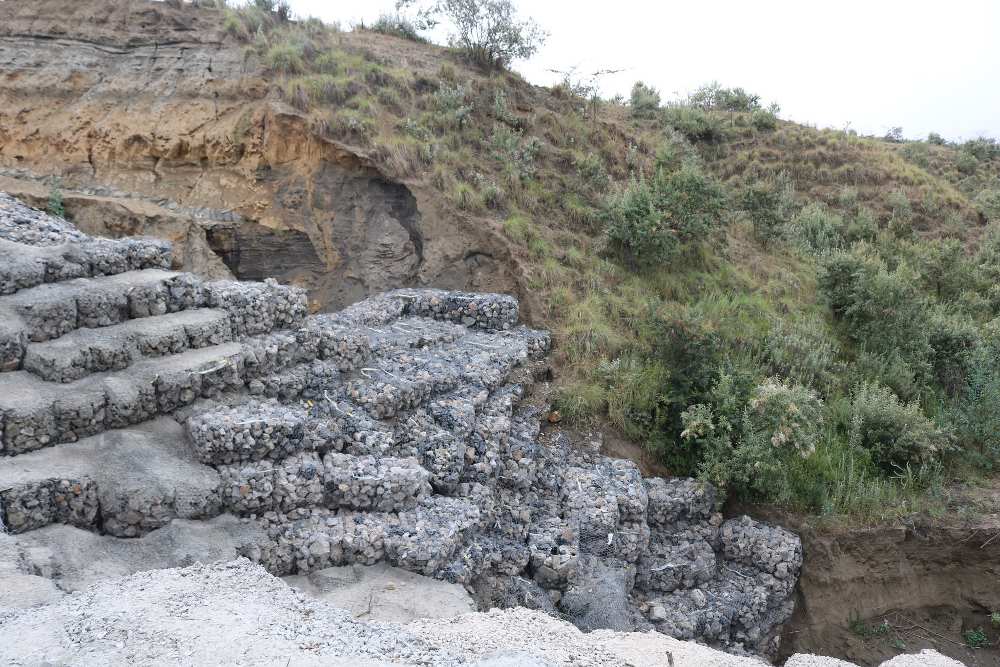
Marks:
<point>156,125</point>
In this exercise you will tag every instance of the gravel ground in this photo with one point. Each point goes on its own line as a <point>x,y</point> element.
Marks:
<point>236,613</point>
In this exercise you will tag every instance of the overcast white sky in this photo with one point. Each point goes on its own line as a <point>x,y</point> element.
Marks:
<point>924,65</point>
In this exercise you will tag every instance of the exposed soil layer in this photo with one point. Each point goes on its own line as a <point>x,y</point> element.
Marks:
<point>867,594</point>
<point>155,124</point>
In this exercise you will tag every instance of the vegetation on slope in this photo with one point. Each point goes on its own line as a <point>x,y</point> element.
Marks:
<point>806,317</point>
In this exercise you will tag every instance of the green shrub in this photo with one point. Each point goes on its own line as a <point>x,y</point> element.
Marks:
<point>862,227</point>
<point>966,162</point>
<point>766,202</point>
<point>816,229</point>
<point>917,152</point>
<point>976,638</point>
<point>936,139</point>
<point>327,63</point>
<point>953,338</point>
<point>580,402</point>
<point>764,120</point>
<point>650,220</point>
<point>353,125</point>
<point>780,428</point>
<point>234,27</point>
<point>987,259</point>
<point>840,271</point>
<point>517,152</point>
<point>897,435</point>
<point>694,123</point>
<point>788,415</point>
<point>397,26</point>
<point>464,197</point>
<point>673,151</point>
<point>321,90</point>
<point>493,196</point>
<point>944,270</point>
<point>889,369</point>
<point>882,310</point>
<point>634,393</point>
<point>645,101</point>
<point>714,96</point>
<point>519,229</point>
<point>987,202</point>
<point>502,111</point>
<point>974,414</point>
<point>899,203</point>
<point>894,135</point>
<point>804,351</point>
<point>55,206</point>
<point>591,169</point>
<point>285,59</point>
<point>451,105</point>
<point>982,148</point>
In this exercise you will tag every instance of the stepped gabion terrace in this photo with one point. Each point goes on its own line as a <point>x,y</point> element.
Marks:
<point>153,413</point>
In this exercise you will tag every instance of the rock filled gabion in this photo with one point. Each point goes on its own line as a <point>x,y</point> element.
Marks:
<point>401,429</point>
<point>31,506</point>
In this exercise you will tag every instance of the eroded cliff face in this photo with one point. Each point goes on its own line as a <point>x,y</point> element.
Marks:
<point>154,124</point>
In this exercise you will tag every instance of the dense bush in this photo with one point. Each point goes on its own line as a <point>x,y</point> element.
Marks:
<point>451,103</point>
<point>953,339</point>
<point>694,123</point>
<point>651,219</point>
<point>988,203</point>
<point>974,414</point>
<point>896,434</point>
<point>517,152</point>
<point>788,415</point>
<point>944,270</point>
<point>766,203</point>
<point>804,351</point>
<point>882,310</point>
<point>781,425</point>
<point>634,393</point>
<point>285,59</point>
<point>764,120</point>
<point>840,272</point>
<point>644,101</point>
<point>714,96</point>
<point>982,148</point>
<point>816,229</point>
<point>398,26</point>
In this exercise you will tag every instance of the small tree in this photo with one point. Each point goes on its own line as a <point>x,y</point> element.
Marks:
<point>894,135</point>
<point>489,32</point>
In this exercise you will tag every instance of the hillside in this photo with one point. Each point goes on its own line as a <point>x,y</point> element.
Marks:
<point>856,271</point>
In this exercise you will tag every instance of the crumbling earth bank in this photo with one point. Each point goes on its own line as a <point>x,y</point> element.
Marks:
<point>150,121</point>
<point>151,419</point>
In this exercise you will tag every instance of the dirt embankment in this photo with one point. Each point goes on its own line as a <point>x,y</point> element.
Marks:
<point>867,594</point>
<point>155,124</point>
